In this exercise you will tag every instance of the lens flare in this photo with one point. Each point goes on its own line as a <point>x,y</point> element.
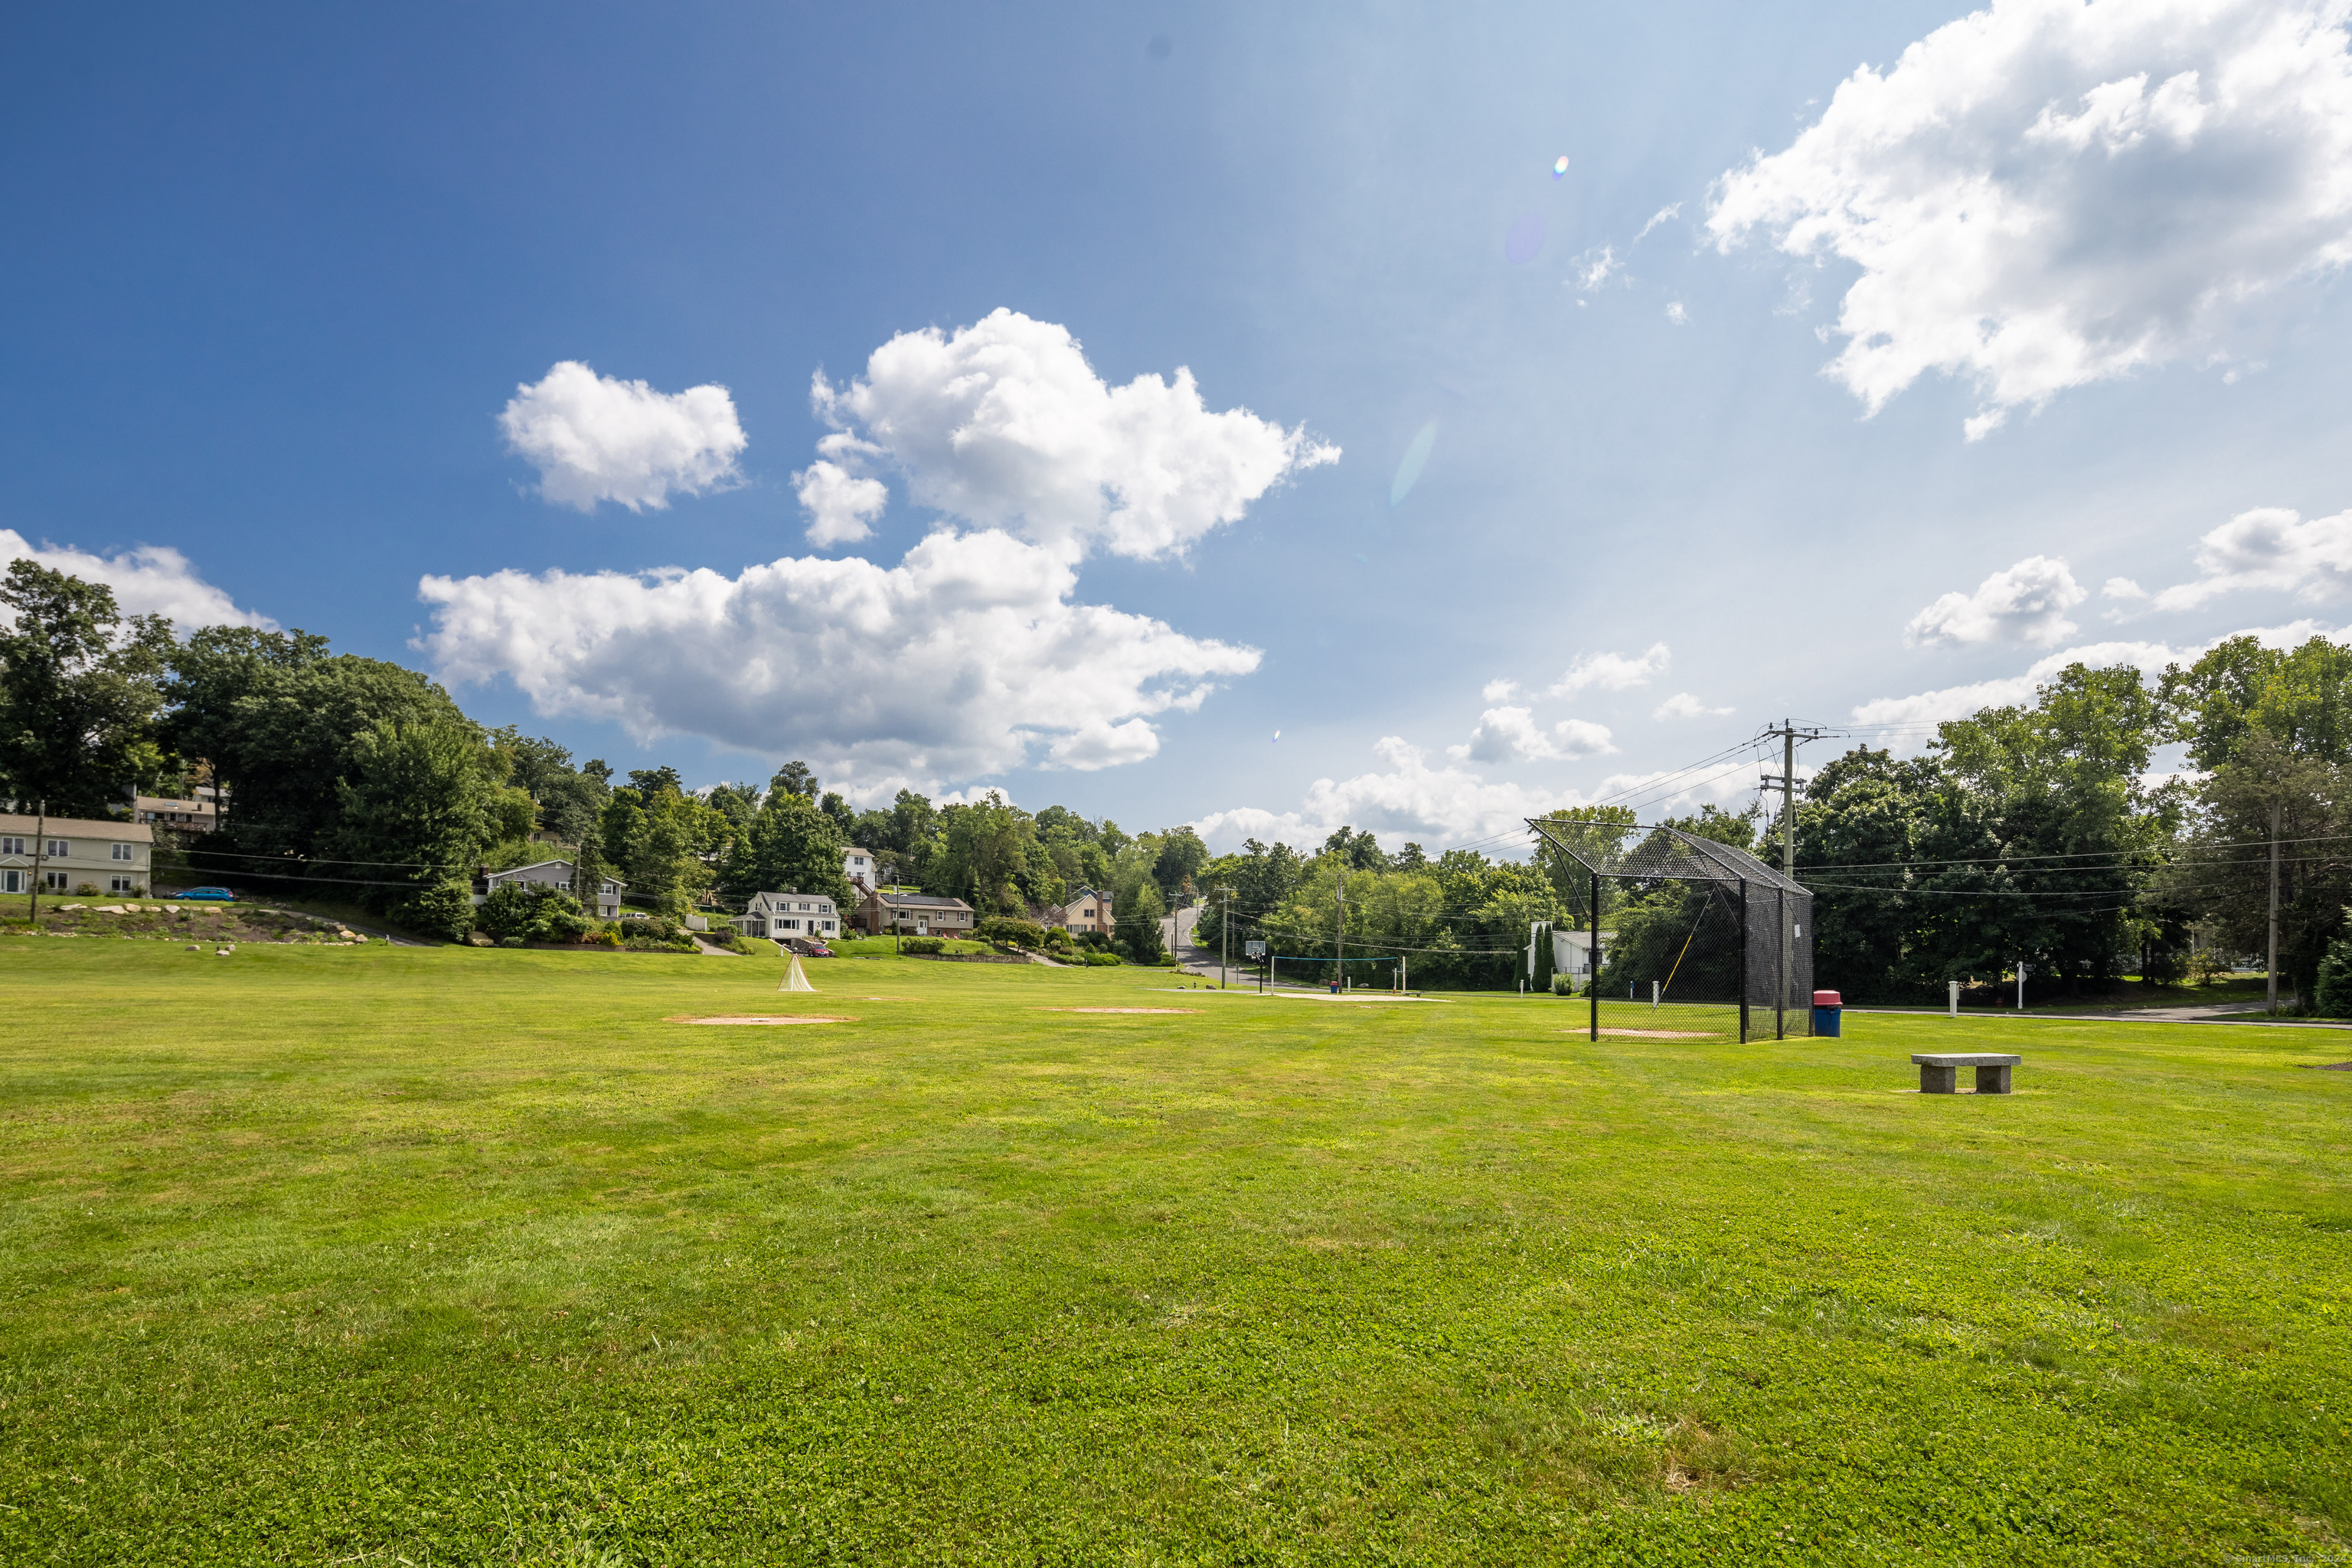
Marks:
<point>1408,470</point>
<point>1525,241</point>
<point>1559,166</point>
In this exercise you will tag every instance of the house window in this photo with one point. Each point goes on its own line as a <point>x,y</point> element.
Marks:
<point>118,851</point>
<point>59,849</point>
<point>54,880</point>
<point>12,846</point>
<point>122,884</point>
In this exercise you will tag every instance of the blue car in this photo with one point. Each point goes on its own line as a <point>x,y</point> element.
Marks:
<point>217,894</point>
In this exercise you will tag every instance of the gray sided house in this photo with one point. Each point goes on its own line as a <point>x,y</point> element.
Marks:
<point>806,917</point>
<point>916,914</point>
<point>554,874</point>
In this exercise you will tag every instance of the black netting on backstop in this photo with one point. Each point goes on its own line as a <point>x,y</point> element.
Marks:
<point>1695,937</point>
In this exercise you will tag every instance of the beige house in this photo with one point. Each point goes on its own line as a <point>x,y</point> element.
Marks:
<point>1084,911</point>
<point>68,853</point>
<point>176,815</point>
<point>809,917</point>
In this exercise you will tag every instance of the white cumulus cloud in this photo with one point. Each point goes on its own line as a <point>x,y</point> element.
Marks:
<point>2270,547</point>
<point>1411,800</point>
<point>148,580</point>
<point>1613,671</point>
<point>1685,705</point>
<point>1438,806</point>
<point>841,501</point>
<point>1500,690</point>
<point>2027,603</point>
<point>1928,707</point>
<point>2047,193</point>
<point>598,438</point>
<point>1004,424</point>
<point>1508,734</point>
<point>968,658</point>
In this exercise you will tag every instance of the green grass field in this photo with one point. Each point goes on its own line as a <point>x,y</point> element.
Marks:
<point>376,1255</point>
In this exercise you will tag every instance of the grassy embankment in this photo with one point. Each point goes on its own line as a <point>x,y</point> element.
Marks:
<point>314,1254</point>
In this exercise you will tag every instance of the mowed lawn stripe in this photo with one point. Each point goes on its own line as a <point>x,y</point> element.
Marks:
<point>317,1254</point>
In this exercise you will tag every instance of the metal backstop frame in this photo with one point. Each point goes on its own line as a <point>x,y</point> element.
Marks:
<point>1774,913</point>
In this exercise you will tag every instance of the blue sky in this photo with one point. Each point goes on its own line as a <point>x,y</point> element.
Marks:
<point>274,274</point>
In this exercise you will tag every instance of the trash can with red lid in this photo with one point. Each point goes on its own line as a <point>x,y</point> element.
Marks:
<point>1827,1005</point>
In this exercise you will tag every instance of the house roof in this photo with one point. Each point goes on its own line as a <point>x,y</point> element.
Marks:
<point>926,900</point>
<point>853,849</point>
<point>168,802</point>
<point>534,866</point>
<point>79,827</point>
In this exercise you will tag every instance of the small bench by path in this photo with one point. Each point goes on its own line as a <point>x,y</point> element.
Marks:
<point>1939,1069</point>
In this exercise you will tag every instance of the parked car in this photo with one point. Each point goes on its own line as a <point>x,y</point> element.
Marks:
<point>217,894</point>
<point>818,949</point>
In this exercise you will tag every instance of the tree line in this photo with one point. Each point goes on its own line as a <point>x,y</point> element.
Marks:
<point>357,778</point>
<point>2030,833</point>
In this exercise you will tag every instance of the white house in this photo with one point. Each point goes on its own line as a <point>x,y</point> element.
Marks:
<point>553,874</point>
<point>808,916</point>
<point>1571,951</point>
<point>73,853</point>
<point>858,866</point>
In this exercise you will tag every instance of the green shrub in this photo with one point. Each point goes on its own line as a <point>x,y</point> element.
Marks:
<point>1562,985</point>
<point>922,944</point>
<point>533,912</point>
<point>1101,960</point>
<point>2332,996</point>
<point>1011,932</point>
<point>445,911</point>
<point>510,942</point>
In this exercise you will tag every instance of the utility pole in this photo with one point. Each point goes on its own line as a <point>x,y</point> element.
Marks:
<point>41,842</point>
<point>2272,962</point>
<point>1225,939</point>
<point>1339,943</point>
<point>1789,735</point>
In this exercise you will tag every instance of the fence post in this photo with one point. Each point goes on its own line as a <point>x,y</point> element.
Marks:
<point>1592,956</point>
<point>1781,991</point>
<point>1743,960</point>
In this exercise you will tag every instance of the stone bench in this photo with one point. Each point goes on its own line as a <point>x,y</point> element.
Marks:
<point>1937,1070</point>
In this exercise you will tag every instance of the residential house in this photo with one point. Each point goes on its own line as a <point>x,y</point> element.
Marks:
<point>1572,952</point>
<point>74,852</point>
<point>916,914</point>
<point>1083,911</point>
<point>174,815</point>
<point>858,866</point>
<point>806,917</point>
<point>554,874</point>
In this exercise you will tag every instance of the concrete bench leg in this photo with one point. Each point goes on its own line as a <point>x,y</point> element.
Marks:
<point>1938,1080</point>
<point>1992,1080</point>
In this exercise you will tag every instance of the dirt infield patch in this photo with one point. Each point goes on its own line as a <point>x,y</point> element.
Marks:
<point>754,1018</point>
<point>2330,1067</point>
<point>1118,1009</point>
<point>1657,1033</point>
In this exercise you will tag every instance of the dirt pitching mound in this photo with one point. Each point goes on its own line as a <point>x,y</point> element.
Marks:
<point>754,1018</point>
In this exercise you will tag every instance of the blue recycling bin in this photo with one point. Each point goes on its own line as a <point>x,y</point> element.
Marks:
<point>1827,1006</point>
